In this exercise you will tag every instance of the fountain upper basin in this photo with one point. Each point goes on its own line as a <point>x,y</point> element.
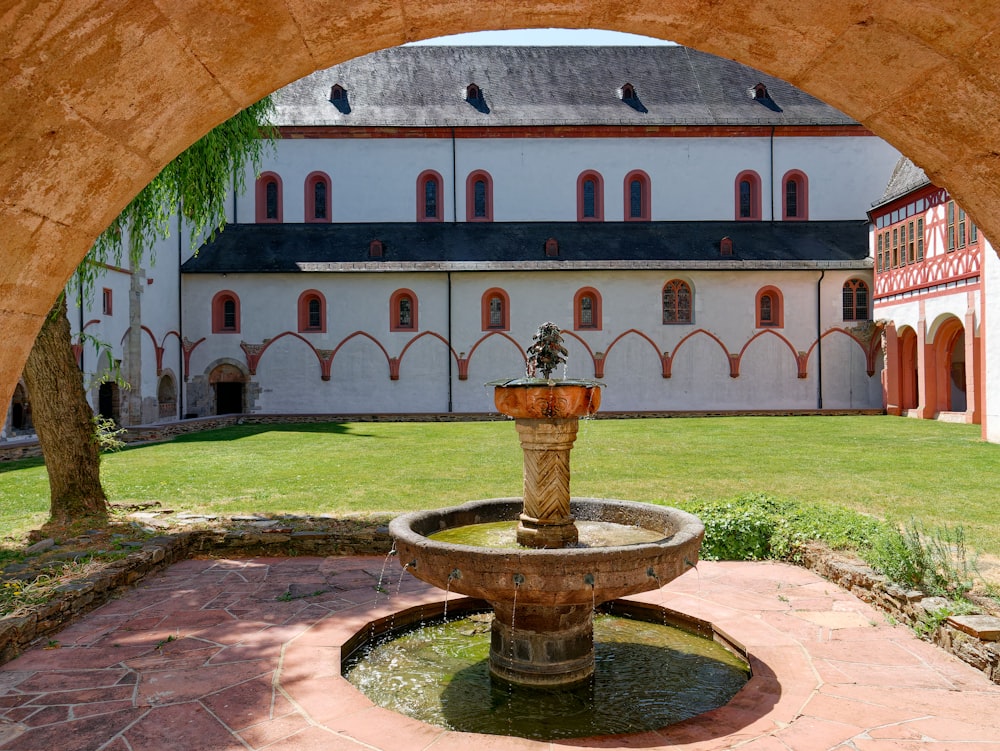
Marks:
<point>564,576</point>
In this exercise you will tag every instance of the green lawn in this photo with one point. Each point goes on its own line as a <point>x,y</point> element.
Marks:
<point>891,467</point>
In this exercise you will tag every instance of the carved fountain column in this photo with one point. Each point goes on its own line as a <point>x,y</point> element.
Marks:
<point>546,521</point>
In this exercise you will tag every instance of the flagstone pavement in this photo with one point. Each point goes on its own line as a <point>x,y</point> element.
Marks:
<point>221,655</point>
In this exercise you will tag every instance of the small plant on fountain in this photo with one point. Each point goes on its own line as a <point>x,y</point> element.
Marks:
<point>547,352</point>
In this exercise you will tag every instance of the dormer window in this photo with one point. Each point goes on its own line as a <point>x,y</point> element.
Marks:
<point>473,93</point>
<point>628,92</point>
<point>551,248</point>
<point>759,92</point>
<point>338,93</point>
<point>376,249</point>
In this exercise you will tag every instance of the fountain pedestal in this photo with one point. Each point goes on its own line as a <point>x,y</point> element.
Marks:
<point>542,645</point>
<point>547,417</point>
<point>546,521</point>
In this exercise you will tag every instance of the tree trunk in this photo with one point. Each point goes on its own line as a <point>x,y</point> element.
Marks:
<point>63,421</point>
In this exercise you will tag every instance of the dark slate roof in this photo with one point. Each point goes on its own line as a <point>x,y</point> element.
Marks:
<point>255,248</point>
<point>906,177</point>
<point>425,86</point>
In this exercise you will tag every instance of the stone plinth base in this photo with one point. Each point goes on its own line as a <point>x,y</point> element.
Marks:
<point>547,533</point>
<point>545,646</point>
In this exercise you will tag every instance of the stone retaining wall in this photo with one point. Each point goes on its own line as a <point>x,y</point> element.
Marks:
<point>974,639</point>
<point>79,597</point>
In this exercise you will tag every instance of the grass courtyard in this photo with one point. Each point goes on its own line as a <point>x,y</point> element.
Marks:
<point>894,468</point>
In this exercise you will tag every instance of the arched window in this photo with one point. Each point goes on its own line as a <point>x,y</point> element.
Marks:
<point>269,199</point>
<point>587,309</point>
<point>795,196</point>
<point>496,310</point>
<point>770,310</point>
<point>312,312</point>
<point>637,198</point>
<point>590,197</point>
<point>317,201</point>
<point>479,197</point>
<point>403,310</point>
<point>678,302</point>
<point>225,313</point>
<point>855,300</point>
<point>748,196</point>
<point>430,200</point>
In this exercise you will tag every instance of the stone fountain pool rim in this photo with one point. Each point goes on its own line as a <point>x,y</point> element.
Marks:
<point>561,576</point>
<point>414,527</point>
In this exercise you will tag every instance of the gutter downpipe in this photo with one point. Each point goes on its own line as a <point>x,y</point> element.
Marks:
<point>772,173</point>
<point>454,220</point>
<point>181,375</point>
<point>819,343</point>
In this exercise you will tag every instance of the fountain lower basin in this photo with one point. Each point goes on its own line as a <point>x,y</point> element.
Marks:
<point>544,599</point>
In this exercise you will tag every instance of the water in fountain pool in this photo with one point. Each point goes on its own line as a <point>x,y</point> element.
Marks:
<point>646,676</point>
<point>503,534</point>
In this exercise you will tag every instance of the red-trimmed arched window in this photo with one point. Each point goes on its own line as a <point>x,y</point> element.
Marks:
<point>770,308</point>
<point>317,201</point>
<point>430,197</point>
<point>855,300</point>
<point>403,310</point>
<point>587,309</point>
<point>496,310</point>
<point>795,196</point>
<point>226,313</point>
<point>590,197</point>
<point>637,197</point>
<point>748,196</point>
<point>678,302</point>
<point>479,197</point>
<point>312,312</point>
<point>269,199</point>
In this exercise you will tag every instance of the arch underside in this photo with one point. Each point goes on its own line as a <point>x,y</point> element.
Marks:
<point>97,102</point>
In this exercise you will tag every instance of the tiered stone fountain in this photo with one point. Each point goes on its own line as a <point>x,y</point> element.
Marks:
<point>544,594</point>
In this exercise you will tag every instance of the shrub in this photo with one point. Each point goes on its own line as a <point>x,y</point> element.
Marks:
<point>758,526</point>
<point>933,560</point>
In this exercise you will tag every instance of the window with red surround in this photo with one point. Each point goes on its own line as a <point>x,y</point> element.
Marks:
<point>748,196</point>
<point>312,312</point>
<point>106,301</point>
<point>678,302</point>
<point>795,196</point>
<point>403,310</point>
<point>590,197</point>
<point>770,313</point>
<point>587,309</point>
<point>317,198</point>
<point>225,313</point>
<point>479,197</point>
<point>268,198</point>
<point>430,198</point>
<point>637,197</point>
<point>855,300</point>
<point>496,310</point>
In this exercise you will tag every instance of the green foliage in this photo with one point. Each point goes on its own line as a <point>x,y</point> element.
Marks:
<point>758,526</point>
<point>547,352</point>
<point>107,433</point>
<point>936,561</point>
<point>195,183</point>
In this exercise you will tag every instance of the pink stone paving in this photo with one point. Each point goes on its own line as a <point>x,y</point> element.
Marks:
<point>245,654</point>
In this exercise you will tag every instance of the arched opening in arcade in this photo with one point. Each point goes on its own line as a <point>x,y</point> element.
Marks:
<point>909,377</point>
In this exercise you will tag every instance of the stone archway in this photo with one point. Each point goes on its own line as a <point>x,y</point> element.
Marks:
<point>98,99</point>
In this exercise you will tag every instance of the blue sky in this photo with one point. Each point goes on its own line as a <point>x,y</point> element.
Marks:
<point>536,37</point>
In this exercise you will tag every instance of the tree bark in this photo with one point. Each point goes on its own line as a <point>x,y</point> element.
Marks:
<point>64,424</point>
